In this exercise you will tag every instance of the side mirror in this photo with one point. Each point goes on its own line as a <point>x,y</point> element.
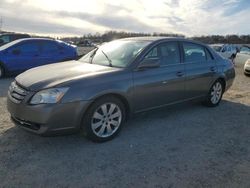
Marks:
<point>16,51</point>
<point>149,63</point>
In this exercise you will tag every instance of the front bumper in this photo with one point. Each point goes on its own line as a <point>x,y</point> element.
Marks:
<point>46,119</point>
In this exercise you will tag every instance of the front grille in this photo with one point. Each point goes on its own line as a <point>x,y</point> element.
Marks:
<point>16,93</point>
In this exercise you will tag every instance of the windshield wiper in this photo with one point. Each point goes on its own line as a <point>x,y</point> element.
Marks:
<point>92,55</point>
<point>109,60</point>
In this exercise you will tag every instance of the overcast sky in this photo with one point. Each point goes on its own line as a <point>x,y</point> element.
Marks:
<point>77,17</point>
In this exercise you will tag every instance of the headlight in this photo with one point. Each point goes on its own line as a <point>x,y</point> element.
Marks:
<point>248,62</point>
<point>48,96</point>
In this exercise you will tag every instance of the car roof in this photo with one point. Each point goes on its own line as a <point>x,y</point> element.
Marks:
<point>35,39</point>
<point>151,38</point>
<point>159,39</point>
<point>24,39</point>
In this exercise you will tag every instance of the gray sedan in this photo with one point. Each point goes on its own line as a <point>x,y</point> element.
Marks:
<point>97,93</point>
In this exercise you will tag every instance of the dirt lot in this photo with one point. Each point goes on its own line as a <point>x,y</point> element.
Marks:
<point>187,145</point>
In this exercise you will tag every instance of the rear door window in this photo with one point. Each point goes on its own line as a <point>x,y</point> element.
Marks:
<point>193,52</point>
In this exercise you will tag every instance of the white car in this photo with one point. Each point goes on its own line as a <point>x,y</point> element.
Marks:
<point>243,55</point>
<point>247,68</point>
<point>227,51</point>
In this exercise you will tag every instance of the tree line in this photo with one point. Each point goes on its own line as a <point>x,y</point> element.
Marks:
<point>210,39</point>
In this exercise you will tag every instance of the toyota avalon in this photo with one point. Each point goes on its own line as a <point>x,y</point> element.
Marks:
<point>95,94</point>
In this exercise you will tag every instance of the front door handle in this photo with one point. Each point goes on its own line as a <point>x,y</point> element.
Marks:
<point>179,74</point>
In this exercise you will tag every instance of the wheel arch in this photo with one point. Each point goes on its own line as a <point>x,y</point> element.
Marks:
<point>222,79</point>
<point>121,97</point>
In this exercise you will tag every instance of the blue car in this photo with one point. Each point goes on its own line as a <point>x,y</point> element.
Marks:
<point>23,54</point>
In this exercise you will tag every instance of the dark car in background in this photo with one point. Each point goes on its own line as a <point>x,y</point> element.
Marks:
<point>23,54</point>
<point>84,43</point>
<point>227,51</point>
<point>97,93</point>
<point>9,37</point>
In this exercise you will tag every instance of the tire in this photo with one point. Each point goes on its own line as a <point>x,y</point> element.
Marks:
<point>1,71</point>
<point>215,94</point>
<point>104,119</point>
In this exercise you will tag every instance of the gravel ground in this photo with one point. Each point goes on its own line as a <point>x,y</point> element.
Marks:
<point>186,145</point>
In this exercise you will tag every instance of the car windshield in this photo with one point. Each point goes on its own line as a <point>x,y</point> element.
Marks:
<point>115,53</point>
<point>217,48</point>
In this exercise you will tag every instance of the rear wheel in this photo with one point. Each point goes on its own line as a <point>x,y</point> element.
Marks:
<point>215,94</point>
<point>104,119</point>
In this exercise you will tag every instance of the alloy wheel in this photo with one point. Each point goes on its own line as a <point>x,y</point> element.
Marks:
<point>216,93</point>
<point>106,120</point>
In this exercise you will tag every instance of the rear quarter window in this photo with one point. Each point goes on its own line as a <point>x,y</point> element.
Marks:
<point>209,55</point>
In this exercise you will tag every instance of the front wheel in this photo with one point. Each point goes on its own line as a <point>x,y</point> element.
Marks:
<point>104,119</point>
<point>215,94</point>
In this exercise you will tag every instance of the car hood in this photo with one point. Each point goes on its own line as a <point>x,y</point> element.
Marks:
<point>51,75</point>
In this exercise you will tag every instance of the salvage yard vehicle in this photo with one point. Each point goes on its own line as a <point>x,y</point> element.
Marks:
<point>243,55</point>
<point>96,94</point>
<point>227,51</point>
<point>9,37</point>
<point>247,68</point>
<point>23,54</point>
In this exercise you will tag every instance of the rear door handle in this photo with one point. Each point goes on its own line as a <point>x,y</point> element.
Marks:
<point>179,74</point>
